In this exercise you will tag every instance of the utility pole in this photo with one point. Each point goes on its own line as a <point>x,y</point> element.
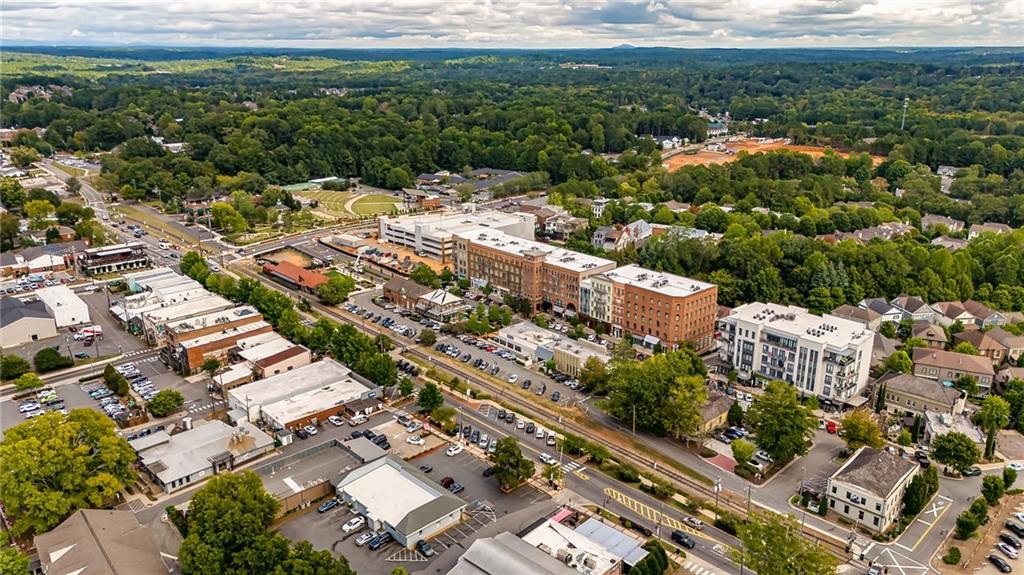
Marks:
<point>634,421</point>
<point>748,511</point>
<point>718,489</point>
<point>906,103</point>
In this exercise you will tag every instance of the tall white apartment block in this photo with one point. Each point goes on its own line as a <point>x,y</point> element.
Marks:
<point>826,356</point>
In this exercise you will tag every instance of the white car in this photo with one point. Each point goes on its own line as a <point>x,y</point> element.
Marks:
<point>365,538</point>
<point>540,433</point>
<point>513,378</point>
<point>547,459</point>
<point>520,424</point>
<point>353,524</point>
<point>336,421</point>
<point>756,464</point>
<point>454,450</point>
<point>414,427</point>
<point>415,440</point>
<point>1016,466</point>
<point>1019,516</point>
<point>311,429</point>
<point>1007,550</point>
<point>763,456</point>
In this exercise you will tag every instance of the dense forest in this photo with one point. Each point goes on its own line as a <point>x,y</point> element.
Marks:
<point>256,118</point>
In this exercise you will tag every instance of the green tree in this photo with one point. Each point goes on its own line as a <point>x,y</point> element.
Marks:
<point>915,496</point>
<point>594,376</point>
<point>993,416</point>
<point>735,416</point>
<point>992,488</point>
<point>664,393</point>
<point>53,465</point>
<point>742,451</point>
<point>861,429</point>
<point>115,381</point>
<point>1009,477</point>
<point>968,384</point>
<point>165,402</point>
<point>38,213</point>
<point>28,381</point>
<point>399,571</point>
<point>511,467</point>
<point>428,337</point>
<point>781,425</point>
<point>11,560</point>
<point>553,474</point>
<point>336,289</point>
<point>13,367</point>
<point>967,524</point>
<point>425,276</point>
<point>965,347</point>
<point>406,387</point>
<point>211,364</point>
<point>74,185</point>
<point>899,362</point>
<point>772,543</point>
<point>378,368</point>
<point>880,399</point>
<point>430,397</point>
<point>955,450</point>
<point>904,439</point>
<point>49,359</point>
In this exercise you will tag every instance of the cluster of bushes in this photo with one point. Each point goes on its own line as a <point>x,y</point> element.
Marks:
<point>656,561</point>
<point>993,487</point>
<point>952,557</point>
<point>727,522</point>
<point>49,359</point>
<point>623,472</point>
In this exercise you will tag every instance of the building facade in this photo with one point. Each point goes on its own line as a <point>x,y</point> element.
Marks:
<point>112,259</point>
<point>824,356</point>
<point>948,366</point>
<point>868,489</point>
<point>432,234</point>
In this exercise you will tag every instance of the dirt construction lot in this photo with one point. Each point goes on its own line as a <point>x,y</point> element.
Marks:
<point>704,157</point>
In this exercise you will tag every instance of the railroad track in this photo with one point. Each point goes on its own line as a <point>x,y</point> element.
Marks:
<point>726,499</point>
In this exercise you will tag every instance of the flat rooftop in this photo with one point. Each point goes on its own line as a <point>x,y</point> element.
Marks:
<point>449,223</point>
<point>211,319</point>
<point>161,313</point>
<point>798,322</point>
<point>289,475</point>
<point>190,451</point>
<point>661,282</point>
<point>559,257</point>
<point>256,340</point>
<point>395,494</point>
<point>282,385</point>
<point>313,401</point>
<point>556,537</point>
<point>58,296</point>
<point>266,349</point>
<point>228,332</point>
<point>529,333</point>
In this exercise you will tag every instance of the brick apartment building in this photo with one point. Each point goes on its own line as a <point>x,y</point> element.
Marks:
<point>192,341</point>
<point>546,276</point>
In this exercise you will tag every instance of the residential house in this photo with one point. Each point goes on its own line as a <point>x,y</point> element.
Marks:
<point>714,413</point>
<point>440,305</point>
<point>881,348</point>
<point>404,292</point>
<point>932,334</point>
<point>984,316</point>
<point>1014,344</point>
<point>101,542</point>
<point>1006,373</point>
<point>951,224</point>
<point>597,206</point>
<point>676,207</point>
<point>948,366</point>
<point>913,308</point>
<point>886,231</point>
<point>621,237</point>
<point>986,345</point>
<point>949,312</point>
<point>988,227</point>
<point>869,317</point>
<point>909,394</point>
<point>887,311</point>
<point>868,488</point>
<point>951,244</point>
<point>562,226</point>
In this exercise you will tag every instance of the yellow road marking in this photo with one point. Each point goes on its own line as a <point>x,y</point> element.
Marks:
<point>936,520</point>
<point>581,475</point>
<point>652,514</point>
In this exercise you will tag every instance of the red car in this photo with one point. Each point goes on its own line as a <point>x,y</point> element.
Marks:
<point>831,427</point>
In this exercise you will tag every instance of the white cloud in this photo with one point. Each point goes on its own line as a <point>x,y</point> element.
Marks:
<point>517,24</point>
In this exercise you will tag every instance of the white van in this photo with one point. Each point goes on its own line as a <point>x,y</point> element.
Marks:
<point>551,438</point>
<point>358,420</point>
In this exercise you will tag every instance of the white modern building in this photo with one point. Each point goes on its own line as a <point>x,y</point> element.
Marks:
<point>868,489</point>
<point>431,234</point>
<point>64,305</point>
<point>533,344</point>
<point>825,356</point>
<point>400,500</point>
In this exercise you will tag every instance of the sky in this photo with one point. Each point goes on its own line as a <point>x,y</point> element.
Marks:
<point>515,24</point>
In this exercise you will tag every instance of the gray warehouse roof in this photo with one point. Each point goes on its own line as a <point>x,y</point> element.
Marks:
<point>506,554</point>
<point>13,309</point>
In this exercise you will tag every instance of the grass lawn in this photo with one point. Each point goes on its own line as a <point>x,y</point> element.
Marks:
<point>333,202</point>
<point>373,204</point>
<point>69,170</point>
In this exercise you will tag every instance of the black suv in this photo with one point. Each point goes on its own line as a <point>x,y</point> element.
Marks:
<point>1016,528</point>
<point>683,539</point>
<point>379,541</point>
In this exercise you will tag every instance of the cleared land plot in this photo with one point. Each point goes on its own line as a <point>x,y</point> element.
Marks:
<point>704,157</point>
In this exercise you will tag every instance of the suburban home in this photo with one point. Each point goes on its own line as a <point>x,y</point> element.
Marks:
<point>869,317</point>
<point>948,366</point>
<point>932,334</point>
<point>714,414</point>
<point>100,541</point>
<point>984,316</point>
<point>868,489</point>
<point>909,394</point>
<point>1014,344</point>
<point>951,244</point>
<point>886,310</point>
<point>881,348</point>
<point>914,308</point>
<point>614,238</point>
<point>1006,373</point>
<point>949,312</point>
<point>951,224</point>
<point>986,345</point>
<point>995,228</point>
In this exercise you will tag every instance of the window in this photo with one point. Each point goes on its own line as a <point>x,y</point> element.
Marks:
<point>860,515</point>
<point>876,522</point>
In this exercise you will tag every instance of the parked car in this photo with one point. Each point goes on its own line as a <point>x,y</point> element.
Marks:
<point>415,440</point>
<point>1010,540</point>
<point>353,524</point>
<point>694,522</point>
<point>336,421</point>
<point>454,449</point>
<point>530,428</point>
<point>311,429</point>
<point>424,548</point>
<point>488,471</point>
<point>327,505</point>
<point>365,538</point>
<point>379,541</point>
<point>456,488</point>
<point>1000,564</point>
<point>1015,528</point>
<point>972,471</point>
<point>426,468</point>
<point>556,396</point>
<point>551,439</point>
<point>446,482</point>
